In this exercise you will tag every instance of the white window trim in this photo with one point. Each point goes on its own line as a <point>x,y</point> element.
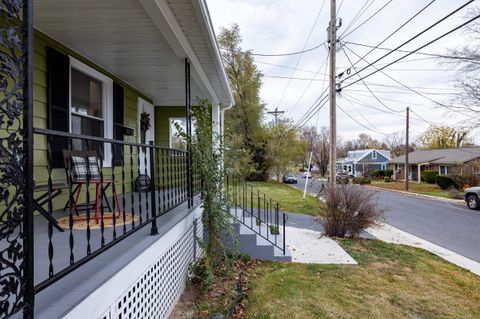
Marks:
<point>107,103</point>
<point>374,154</point>
<point>440,170</point>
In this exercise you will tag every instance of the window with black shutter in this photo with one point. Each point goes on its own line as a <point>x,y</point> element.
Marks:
<point>58,92</point>
<point>118,113</point>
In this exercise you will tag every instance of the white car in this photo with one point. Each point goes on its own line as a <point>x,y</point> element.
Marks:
<point>305,174</point>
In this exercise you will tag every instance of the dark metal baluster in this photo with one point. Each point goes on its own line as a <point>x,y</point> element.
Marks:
<point>154,229</point>
<point>132,187</point>
<point>123,190</point>
<point>177,176</point>
<point>258,213</point>
<point>284,222</point>
<point>277,228</point>
<point>264,209</point>
<point>89,249</point>
<point>158,188</point>
<point>139,150</point>
<point>145,163</point>
<point>170,179</point>
<point>268,225</point>
<point>71,239</point>
<point>102,196</point>
<point>114,197</point>
<point>164,195</point>
<point>174,172</point>
<point>184,176</point>
<point>50,206</point>
<point>251,206</point>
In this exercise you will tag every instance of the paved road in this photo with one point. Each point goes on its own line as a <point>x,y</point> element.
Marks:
<point>449,225</point>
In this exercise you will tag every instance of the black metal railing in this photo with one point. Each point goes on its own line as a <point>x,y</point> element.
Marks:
<point>83,217</point>
<point>257,211</point>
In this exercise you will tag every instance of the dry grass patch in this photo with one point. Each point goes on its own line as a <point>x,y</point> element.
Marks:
<point>391,281</point>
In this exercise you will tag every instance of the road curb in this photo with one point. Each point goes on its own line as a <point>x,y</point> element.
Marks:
<point>448,200</point>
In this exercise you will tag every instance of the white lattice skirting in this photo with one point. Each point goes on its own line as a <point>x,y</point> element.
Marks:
<point>150,285</point>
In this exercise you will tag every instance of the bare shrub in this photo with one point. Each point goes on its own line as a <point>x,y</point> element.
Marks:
<point>349,210</point>
<point>455,193</point>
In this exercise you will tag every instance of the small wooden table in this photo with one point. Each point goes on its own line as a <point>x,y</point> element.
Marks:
<point>57,189</point>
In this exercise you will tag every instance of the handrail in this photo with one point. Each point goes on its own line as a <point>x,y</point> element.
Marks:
<point>250,198</point>
<point>44,131</point>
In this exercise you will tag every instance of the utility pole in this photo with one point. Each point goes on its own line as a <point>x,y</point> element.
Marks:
<point>406,149</point>
<point>276,113</point>
<point>332,36</point>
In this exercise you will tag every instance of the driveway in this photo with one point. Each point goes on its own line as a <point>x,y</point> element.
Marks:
<point>449,225</point>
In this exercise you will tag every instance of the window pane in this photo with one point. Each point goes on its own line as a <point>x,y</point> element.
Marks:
<point>89,127</point>
<point>86,94</point>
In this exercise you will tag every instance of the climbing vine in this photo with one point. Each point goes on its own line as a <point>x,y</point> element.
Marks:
<point>207,154</point>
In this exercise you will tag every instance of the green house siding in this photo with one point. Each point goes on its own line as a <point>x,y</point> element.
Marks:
<point>131,96</point>
<point>162,125</point>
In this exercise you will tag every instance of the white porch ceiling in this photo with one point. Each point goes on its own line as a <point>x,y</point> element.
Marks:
<point>121,37</point>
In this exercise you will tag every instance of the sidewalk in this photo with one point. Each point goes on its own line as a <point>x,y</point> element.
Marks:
<point>394,235</point>
<point>449,200</point>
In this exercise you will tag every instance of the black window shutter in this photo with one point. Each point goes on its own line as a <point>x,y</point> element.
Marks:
<point>118,113</point>
<point>58,92</point>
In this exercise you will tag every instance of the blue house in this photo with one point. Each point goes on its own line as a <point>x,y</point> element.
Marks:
<point>363,162</point>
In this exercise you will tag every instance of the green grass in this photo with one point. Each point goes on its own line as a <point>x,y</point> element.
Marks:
<point>391,281</point>
<point>422,188</point>
<point>289,198</point>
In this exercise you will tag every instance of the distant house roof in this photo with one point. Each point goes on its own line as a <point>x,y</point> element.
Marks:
<point>357,155</point>
<point>440,156</point>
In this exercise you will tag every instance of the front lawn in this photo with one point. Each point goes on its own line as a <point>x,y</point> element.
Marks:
<point>423,188</point>
<point>391,281</point>
<point>290,199</point>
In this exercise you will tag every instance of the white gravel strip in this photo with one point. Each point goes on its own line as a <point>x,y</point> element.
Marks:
<point>394,235</point>
<point>308,246</point>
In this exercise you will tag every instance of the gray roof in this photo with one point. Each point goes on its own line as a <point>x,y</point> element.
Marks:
<point>440,156</point>
<point>355,156</point>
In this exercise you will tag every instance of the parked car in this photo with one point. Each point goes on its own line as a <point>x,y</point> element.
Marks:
<point>289,178</point>
<point>342,178</point>
<point>305,174</point>
<point>471,197</point>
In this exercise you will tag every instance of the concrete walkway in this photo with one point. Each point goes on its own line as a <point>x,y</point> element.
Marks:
<point>307,245</point>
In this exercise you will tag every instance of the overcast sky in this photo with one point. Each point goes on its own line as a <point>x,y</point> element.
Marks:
<point>282,26</point>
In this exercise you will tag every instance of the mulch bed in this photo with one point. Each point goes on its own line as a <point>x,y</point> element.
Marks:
<point>225,298</point>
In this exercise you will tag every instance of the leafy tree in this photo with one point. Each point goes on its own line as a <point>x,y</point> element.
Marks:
<point>245,136</point>
<point>284,147</point>
<point>443,136</point>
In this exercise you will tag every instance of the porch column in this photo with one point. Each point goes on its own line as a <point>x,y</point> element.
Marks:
<point>188,116</point>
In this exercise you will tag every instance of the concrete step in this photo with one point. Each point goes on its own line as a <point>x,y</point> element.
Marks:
<point>253,238</point>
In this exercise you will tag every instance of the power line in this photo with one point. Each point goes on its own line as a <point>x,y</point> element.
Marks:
<point>312,108</point>
<point>357,15</point>
<point>365,84</point>
<point>418,49</point>
<point>300,57</point>
<point>432,55</point>
<point>310,83</point>
<point>319,107</point>
<point>397,81</point>
<point>368,19</point>
<point>398,29</point>
<point>279,54</point>
<point>360,123</point>
<point>417,35</point>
